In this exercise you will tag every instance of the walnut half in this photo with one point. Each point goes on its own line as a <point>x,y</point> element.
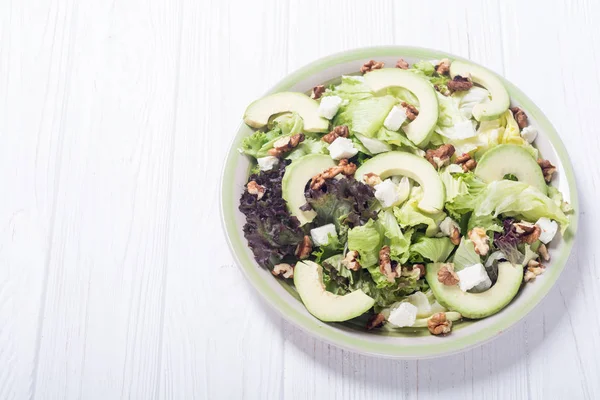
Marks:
<point>256,189</point>
<point>370,66</point>
<point>438,324</point>
<point>480,240</point>
<point>285,144</point>
<point>344,167</point>
<point>440,156</point>
<point>376,321</point>
<point>304,248</point>
<point>466,162</point>
<point>285,270</point>
<point>447,276</point>
<point>351,261</point>
<point>385,264</point>
<point>547,169</point>
<point>338,131</point>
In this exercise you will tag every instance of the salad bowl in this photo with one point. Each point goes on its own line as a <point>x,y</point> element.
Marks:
<point>394,343</point>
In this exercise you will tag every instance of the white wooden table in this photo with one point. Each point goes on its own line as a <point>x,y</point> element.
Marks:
<point>115,116</point>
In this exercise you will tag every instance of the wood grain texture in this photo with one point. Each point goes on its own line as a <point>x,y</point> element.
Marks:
<point>115,279</point>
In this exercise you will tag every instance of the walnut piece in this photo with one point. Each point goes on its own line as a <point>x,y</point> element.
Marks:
<point>385,264</point>
<point>304,248</point>
<point>285,144</point>
<point>344,167</point>
<point>528,233</point>
<point>455,236</point>
<point>439,325</point>
<point>411,111</point>
<point>372,179</point>
<point>543,252</point>
<point>370,66</point>
<point>338,131</point>
<point>443,68</point>
<point>447,276</point>
<point>547,169</point>
<point>285,270</point>
<point>480,240</point>
<point>317,92</point>
<point>402,64</point>
<point>440,156</point>
<point>421,269</point>
<point>256,189</point>
<point>466,162</point>
<point>534,269</point>
<point>376,321</point>
<point>459,84</point>
<point>351,261</point>
<point>520,117</point>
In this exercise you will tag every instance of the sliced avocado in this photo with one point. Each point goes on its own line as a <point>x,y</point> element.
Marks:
<point>481,76</point>
<point>296,175</point>
<point>418,131</point>
<point>258,113</point>
<point>477,305</point>
<point>511,159</point>
<point>328,307</point>
<point>450,316</point>
<point>412,166</point>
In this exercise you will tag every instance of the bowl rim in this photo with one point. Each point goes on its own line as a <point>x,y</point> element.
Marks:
<point>330,333</point>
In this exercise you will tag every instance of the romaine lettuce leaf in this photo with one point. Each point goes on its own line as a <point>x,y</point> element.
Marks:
<point>351,88</point>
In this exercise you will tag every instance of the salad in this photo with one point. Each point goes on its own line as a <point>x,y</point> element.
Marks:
<point>409,197</point>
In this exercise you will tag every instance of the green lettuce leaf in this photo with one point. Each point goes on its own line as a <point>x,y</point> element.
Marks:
<point>465,255</point>
<point>462,202</point>
<point>308,146</point>
<point>517,199</point>
<point>351,88</point>
<point>366,239</point>
<point>399,242</point>
<point>409,214</point>
<point>557,198</point>
<point>365,116</point>
<point>433,249</point>
<point>395,138</point>
<point>402,94</point>
<point>332,247</point>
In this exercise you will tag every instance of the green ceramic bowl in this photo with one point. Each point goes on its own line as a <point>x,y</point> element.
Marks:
<point>392,343</point>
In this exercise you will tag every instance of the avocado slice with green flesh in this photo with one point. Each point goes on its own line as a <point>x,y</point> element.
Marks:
<point>481,76</point>
<point>418,131</point>
<point>258,113</point>
<point>477,305</point>
<point>410,165</point>
<point>326,306</point>
<point>511,159</point>
<point>296,175</point>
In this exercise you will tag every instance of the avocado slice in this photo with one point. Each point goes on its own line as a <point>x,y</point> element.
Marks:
<point>412,166</point>
<point>418,131</point>
<point>481,76</point>
<point>328,307</point>
<point>258,113</point>
<point>511,159</point>
<point>477,305</point>
<point>296,175</point>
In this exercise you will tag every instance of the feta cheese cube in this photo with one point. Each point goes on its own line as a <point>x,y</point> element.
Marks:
<point>387,194</point>
<point>548,228</point>
<point>404,315</point>
<point>472,276</point>
<point>448,225</point>
<point>395,118</point>
<point>529,133</point>
<point>267,163</point>
<point>320,235</point>
<point>342,148</point>
<point>329,106</point>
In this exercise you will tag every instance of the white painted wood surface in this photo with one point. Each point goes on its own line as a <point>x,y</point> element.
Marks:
<point>115,280</point>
